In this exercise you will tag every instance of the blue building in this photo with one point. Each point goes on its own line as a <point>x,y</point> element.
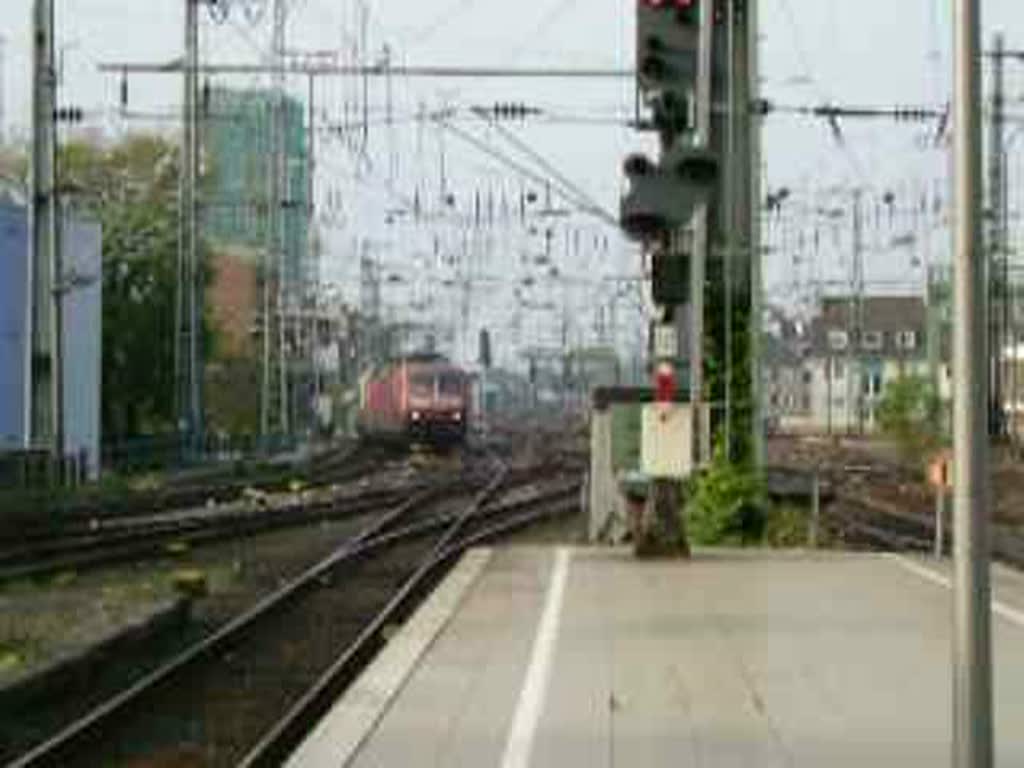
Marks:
<point>82,332</point>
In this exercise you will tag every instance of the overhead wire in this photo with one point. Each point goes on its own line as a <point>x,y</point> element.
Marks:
<point>567,195</point>
<point>558,9</point>
<point>805,62</point>
<point>550,168</point>
<point>426,32</point>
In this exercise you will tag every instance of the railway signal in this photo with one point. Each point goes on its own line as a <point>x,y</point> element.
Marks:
<point>665,193</point>
<point>668,55</point>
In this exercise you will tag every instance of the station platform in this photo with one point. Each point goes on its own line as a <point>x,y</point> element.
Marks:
<point>586,657</point>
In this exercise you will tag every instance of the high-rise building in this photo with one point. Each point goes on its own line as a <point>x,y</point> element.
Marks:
<point>238,160</point>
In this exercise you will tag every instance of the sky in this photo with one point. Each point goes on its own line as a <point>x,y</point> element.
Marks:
<point>868,53</point>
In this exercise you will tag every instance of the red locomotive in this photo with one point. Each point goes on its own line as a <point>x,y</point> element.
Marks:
<point>421,397</point>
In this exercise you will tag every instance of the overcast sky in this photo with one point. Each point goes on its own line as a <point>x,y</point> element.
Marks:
<point>872,52</point>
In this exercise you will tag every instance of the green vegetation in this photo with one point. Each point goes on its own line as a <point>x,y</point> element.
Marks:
<point>12,656</point>
<point>911,415</point>
<point>725,505</point>
<point>785,526</point>
<point>132,188</point>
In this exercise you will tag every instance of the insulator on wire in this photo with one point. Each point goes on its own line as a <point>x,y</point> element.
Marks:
<point>219,10</point>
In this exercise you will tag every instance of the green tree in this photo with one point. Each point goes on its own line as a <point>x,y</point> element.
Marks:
<point>911,415</point>
<point>132,188</point>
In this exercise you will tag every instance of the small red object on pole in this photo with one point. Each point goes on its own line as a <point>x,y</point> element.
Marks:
<point>664,383</point>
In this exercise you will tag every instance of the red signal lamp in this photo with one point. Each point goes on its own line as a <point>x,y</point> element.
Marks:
<point>665,383</point>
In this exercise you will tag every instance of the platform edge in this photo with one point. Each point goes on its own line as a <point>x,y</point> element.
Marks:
<point>340,735</point>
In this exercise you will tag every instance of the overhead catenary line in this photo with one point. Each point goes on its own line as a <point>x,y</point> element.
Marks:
<point>567,195</point>
<point>544,163</point>
<point>176,66</point>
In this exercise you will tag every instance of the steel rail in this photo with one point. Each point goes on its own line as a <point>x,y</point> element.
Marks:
<point>277,743</point>
<point>372,538</point>
<point>146,543</point>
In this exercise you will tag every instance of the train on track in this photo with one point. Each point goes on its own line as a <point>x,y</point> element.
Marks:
<point>416,399</point>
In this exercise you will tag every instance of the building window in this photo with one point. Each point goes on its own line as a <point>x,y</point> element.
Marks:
<point>808,377</point>
<point>906,340</point>
<point>838,340</point>
<point>872,341</point>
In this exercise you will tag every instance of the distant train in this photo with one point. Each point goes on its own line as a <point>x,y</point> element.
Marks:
<point>418,398</point>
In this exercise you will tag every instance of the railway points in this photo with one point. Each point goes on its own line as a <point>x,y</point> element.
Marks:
<point>302,339</point>
<point>370,570</point>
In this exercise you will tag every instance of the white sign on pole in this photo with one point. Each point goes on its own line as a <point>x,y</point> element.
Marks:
<point>666,342</point>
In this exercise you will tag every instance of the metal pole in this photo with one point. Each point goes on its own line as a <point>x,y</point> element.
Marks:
<point>268,324</point>
<point>815,532</point>
<point>828,381</point>
<point>934,331</point>
<point>195,306</point>
<point>313,270</point>
<point>972,665</point>
<point>858,381</point>
<point>996,245</point>
<point>853,321</point>
<point>729,216</point>
<point>43,391</point>
<point>280,172</point>
<point>3,91</point>
<point>700,238</point>
<point>1006,339</point>
<point>753,203</point>
<point>188,310</point>
<point>696,352</point>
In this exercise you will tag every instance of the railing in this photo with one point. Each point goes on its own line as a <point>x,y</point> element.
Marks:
<point>39,469</point>
<point>177,451</point>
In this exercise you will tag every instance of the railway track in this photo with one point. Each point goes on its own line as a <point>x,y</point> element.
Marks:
<point>161,536</point>
<point>865,521</point>
<point>246,693</point>
<point>82,541</point>
<point>335,467</point>
<point>82,544</point>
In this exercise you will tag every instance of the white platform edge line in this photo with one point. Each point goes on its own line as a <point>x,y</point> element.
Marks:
<point>534,691</point>
<point>999,608</point>
<point>341,733</point>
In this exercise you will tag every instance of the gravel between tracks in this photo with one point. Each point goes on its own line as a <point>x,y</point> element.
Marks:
<point>211,716</point>
<point>239,573</point>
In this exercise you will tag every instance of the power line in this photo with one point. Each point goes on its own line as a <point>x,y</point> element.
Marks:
<point>548,167</point>
<point>852,159</point>
<point>567,195</point>
<point>477,72</point>
<point>439,22</point>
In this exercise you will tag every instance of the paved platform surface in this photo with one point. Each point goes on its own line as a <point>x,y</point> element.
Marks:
<point>589,658</point>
